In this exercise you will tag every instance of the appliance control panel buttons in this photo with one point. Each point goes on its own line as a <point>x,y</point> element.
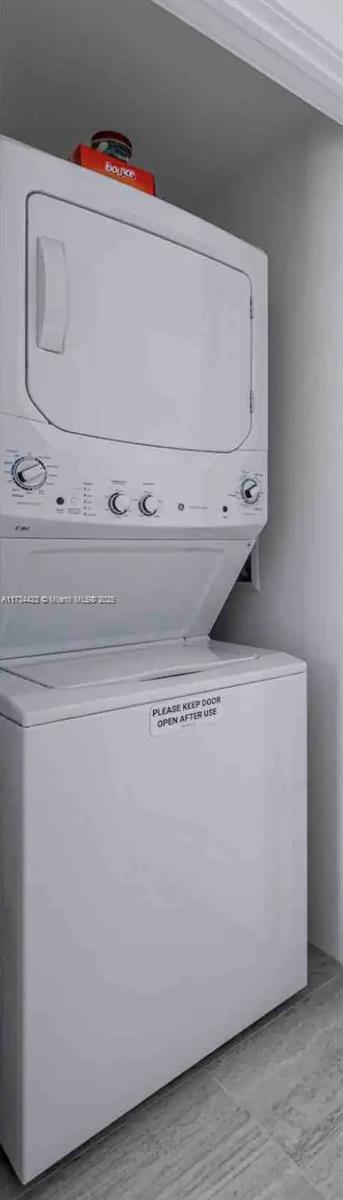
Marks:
<point>29,473</point>
<point>148,505</point>
<point>119,503</point>
<point>250,490</point>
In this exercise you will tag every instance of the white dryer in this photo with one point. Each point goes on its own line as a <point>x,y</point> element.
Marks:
<point>153,801</point>
<point>133,410</point>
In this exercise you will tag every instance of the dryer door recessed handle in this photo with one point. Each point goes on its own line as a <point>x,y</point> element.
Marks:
<point>51,294</point>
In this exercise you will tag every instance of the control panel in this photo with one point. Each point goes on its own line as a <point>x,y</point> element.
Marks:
<point>105,487</point>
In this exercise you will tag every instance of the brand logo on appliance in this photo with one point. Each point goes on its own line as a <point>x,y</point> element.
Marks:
<point>126,171</point>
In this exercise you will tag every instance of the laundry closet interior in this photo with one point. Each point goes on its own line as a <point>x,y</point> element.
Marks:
<point>235,149</point>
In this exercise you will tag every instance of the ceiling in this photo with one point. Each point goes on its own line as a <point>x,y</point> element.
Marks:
<point>197,115</point>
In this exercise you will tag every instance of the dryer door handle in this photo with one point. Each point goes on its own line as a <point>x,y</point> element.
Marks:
<point>51,294</point>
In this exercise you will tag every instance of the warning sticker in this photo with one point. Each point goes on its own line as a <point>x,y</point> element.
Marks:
<point>170,716</point>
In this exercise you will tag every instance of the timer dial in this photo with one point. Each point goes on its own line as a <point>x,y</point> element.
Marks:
<point>29,473</point>
<point>119,504</point>
<point>250,490</point>
<point>148,505</point>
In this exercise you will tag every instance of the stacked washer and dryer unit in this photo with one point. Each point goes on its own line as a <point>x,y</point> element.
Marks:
<point>153,799</point>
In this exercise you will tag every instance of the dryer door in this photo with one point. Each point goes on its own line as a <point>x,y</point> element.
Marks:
<point>134,338</point>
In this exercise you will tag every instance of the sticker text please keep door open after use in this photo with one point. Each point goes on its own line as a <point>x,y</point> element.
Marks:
<point>171,716</point>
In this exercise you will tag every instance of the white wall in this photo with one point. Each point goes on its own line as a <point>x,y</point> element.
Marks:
<point>298,43</point>
<point>67,69</point>
<point>293,207</point>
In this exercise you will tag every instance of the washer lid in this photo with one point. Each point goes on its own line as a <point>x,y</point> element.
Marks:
<point>157,660</point>
<point>161,589</point>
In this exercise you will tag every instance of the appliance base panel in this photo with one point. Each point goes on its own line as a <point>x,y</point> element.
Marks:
<point>163,885</point>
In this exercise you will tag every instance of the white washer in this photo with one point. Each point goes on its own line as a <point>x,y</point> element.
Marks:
<point>152,856</point>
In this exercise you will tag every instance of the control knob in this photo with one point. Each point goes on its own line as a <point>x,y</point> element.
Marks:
<point>119,504</point>
<point>29,473</point>
<point>250,490</point>
<point>148,505</point>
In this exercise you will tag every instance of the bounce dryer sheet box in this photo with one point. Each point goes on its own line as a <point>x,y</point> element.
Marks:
<point>114,168</point>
